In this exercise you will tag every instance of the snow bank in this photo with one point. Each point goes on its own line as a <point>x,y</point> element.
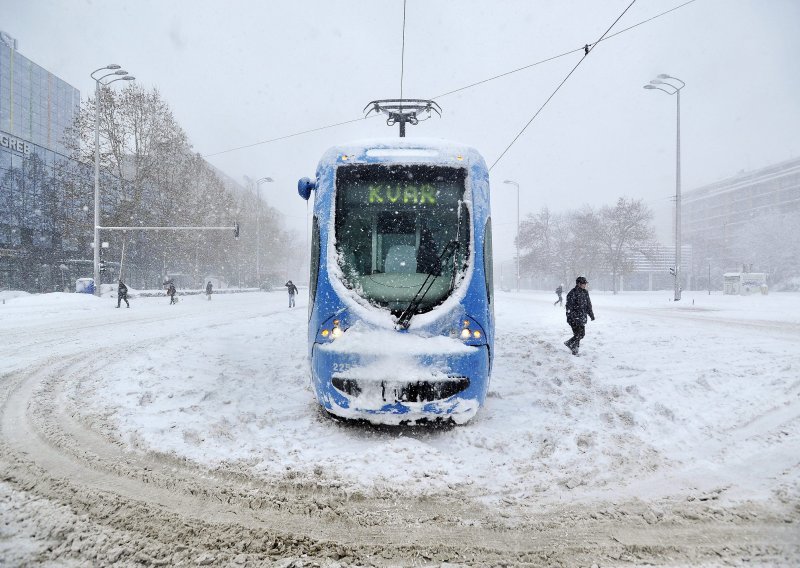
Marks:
<point>6,295</point>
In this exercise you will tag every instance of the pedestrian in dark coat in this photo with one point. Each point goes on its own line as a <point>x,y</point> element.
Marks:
<point>292,289</point>
<point>171,291</point>
<point>579,305</point>
<point>559,291</point>
<point>122,294</point>
<point>209,289</point>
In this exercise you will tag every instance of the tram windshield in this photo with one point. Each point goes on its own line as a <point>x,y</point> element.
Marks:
<point>393,228</point>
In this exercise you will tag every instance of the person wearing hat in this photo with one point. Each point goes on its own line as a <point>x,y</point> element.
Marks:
<point>579,305</point>
<point>292,289</point>
<point>122,293</point>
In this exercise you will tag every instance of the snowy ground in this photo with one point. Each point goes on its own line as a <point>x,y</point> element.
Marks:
<point>670,402</point>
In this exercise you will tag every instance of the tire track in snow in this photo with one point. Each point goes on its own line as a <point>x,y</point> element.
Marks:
<point>133,508</point>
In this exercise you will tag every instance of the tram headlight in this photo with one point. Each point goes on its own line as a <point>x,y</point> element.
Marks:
<point>333,332</point>
<point>467,332</point>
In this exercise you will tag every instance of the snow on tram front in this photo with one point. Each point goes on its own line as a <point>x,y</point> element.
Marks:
<point>401,315</point>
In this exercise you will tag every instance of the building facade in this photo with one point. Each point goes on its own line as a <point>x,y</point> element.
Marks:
<point>715,211</point>
<point>46,198</point>
<point>715,215</point>
<point>652,267</point>
<point>35,105</point>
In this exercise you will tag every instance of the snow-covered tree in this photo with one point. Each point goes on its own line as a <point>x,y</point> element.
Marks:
<point>584,241</point>
<point>621,230</point>
<point>151,177</point>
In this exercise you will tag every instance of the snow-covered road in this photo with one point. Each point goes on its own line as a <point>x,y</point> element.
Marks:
<point>678,420</point>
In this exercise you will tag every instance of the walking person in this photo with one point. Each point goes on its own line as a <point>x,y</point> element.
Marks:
<point>559,291</point>
<point>122,293</point>
<point>292,289</point>
<point>209,289</point>
<point>171,291</point>
<point>579,305</point>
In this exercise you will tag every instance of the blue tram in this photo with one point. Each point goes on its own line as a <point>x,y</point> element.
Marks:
<point>401,306</point>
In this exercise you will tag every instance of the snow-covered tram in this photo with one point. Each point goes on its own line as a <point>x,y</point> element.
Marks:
<point>401,314</point>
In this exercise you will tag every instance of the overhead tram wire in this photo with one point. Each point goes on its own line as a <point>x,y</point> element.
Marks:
<point>285,137</point>
<point>507,73</point>
<point>403,51</point>
<point>561,84</point>
<point>554,57</point>
<point>279,138</point>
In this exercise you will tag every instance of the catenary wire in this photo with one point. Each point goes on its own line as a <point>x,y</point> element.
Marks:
<point>403,50</point>
<point>286,136</point>
<point>524,67</point>
<point>561,84</point>
<point>279,138</point>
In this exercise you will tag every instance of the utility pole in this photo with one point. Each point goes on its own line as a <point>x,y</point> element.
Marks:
<point>115,70</point>
<point>667,84</point>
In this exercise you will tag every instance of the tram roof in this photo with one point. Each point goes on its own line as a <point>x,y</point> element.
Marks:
<point>402,150</point>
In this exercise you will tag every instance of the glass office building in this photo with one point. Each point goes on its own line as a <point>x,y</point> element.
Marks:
<point>46,199</point>
<point>35,105</point>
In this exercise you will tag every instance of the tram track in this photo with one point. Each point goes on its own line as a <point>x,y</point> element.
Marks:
<point>101,503</point>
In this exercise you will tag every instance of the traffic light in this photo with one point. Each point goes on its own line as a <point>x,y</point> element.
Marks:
<point>236,230</point>
<point>672,271</point>
<point>102,266</point>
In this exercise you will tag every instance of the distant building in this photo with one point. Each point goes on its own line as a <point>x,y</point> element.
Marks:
<point>35,106</point>
<point>652,264</point>
<point>713,212</point>
<point>44,195</point>
<point>714,215</point>
<point>711,218</point>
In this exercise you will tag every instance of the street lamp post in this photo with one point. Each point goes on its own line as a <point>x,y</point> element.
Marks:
<point>515,184</point>
<point>672,86</point>
<point>258,227</point>
<point>115,70</point>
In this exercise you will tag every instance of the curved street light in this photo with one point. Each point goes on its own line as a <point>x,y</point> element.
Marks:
<point>672,86</point>
<point>512,182</point>
<point>258,227</point>
<point>116,70</point>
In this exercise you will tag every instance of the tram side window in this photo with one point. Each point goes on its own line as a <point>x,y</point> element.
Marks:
<point>487,260</point>
<point>461,257</point>
<point>314,268</point>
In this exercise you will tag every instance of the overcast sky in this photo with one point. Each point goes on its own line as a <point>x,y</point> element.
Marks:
<point>237,73</point>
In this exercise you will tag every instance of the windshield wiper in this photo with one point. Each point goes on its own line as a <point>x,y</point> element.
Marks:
<point>405,318</point>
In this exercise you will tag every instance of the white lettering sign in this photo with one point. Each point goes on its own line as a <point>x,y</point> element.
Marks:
<point>15,144</point>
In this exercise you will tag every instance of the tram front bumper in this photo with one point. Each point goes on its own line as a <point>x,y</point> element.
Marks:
<point>395,389</point>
